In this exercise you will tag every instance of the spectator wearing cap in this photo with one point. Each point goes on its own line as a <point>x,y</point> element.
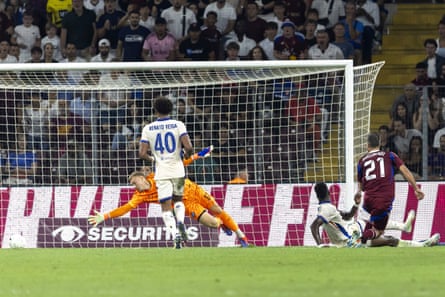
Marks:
<point>290,45</point>
<point>160,45</point>
<point>79,28</point>
<point>194,47</point>
<point>245,43</point>
<point>108,24</point>
<point>104,54</point>
<point>131,39</point>
<point>178,18</point>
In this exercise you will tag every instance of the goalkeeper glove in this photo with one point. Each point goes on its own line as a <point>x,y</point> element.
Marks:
<point>96,219</point>
<point>204,153</point>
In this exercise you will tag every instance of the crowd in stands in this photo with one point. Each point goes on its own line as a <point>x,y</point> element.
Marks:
<point>164,30</point>
<point>418,114</point>
<point>178,30</point>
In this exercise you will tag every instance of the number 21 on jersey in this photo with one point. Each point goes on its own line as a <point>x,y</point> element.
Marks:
<point>374,167</point>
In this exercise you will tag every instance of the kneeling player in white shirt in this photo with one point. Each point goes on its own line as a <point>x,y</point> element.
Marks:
<point>340,226</point>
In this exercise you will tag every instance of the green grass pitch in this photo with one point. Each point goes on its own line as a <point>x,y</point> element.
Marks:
<point>287,271</point>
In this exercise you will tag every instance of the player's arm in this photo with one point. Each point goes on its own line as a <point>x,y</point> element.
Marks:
<point>410,178</point>
<point>204,153</point>
<point>351,213</point>
<point>187,145</point>
<point>143,151</point>
<point>315,229</point>
<point>98,217</point>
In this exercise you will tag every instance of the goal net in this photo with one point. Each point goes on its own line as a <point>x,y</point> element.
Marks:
<point>72,130</point>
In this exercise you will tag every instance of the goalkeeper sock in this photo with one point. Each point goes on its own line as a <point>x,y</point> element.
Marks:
<point>179,211</point>
<point>230,223</point>
<point>409,243</point>
<point>170,223</point>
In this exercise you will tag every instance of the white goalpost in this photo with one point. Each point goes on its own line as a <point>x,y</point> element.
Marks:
<point>70,135</point>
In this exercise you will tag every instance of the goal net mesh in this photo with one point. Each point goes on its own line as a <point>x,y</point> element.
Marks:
<point>80,124</point>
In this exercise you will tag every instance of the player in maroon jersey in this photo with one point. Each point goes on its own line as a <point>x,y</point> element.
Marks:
<point>375,174</point>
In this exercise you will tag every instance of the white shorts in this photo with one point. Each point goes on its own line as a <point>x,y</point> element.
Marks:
<point>169,187</point>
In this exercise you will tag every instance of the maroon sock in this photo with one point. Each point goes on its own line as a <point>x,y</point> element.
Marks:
<point>368,234</point>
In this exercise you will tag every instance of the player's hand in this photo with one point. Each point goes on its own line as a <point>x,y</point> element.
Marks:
<point>205,152</point>
<point>96,219</point>
<point>419,194</point>
<point>358,198</point>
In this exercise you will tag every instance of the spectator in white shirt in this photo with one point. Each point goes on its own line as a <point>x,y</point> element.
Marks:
<point>178,18</point>
<point>268,42</point>
<point>245,43</point>
<point>4,56</point>
<point>26,36</point>
<point>226,16</point>
<point>54,39</point>
<point>104,54</point>
<point>324,50</point>
<point>329,11</point>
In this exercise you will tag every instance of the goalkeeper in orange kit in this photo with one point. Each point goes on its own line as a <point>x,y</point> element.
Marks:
<point>196,200</point>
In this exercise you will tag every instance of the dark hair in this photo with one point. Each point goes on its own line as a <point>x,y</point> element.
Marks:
<point>163,105</point>
<point>233,45</point>
<point>322,191</point>
<point>312,10</point>
<point>36,49</point>
<point>399,119</point>
<point>430,41</point>
<point>271,25</point>
<point>421,65</point>
<point>384,127</point>
<point>411,141</point>
<point>279,3</point>
<point>263,53</point>
<point>373,140</point>
<point>212,13</point>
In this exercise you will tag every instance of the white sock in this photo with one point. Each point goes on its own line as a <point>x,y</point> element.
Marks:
<point>179,211</point>
<point>170,223</point>
<point>240,233</point>
<point>409,243</point>
<point>393,225</point>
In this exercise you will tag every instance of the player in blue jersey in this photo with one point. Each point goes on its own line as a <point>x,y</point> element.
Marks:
<point>166,139</point>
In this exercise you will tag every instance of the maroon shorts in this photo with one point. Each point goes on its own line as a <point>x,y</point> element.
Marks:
<point>379,209</point>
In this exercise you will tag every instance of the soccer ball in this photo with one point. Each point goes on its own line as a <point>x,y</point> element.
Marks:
<point>17,241</point>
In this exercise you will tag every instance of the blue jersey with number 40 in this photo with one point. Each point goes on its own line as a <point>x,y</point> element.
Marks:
<point>164,137</point>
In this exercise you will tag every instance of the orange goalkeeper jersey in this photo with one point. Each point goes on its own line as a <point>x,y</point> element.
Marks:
<point>196,199</point>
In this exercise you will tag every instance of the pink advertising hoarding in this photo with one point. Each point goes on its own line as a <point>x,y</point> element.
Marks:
<point>270,215</point>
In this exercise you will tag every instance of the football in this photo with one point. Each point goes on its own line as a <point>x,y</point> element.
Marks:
<point>17,241</point>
